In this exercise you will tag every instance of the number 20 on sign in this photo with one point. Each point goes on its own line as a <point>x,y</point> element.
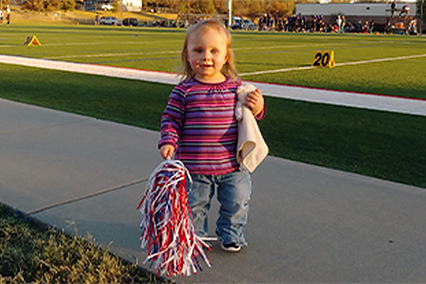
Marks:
<point>324,59</point>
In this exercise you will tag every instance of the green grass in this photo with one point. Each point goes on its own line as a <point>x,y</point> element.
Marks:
<point>120,100</point>
<point>379,144</point>
<point>158,49</point>
<point>373,143</point>
<point>32,253</point>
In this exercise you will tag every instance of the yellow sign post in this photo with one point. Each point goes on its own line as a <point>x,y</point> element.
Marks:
<point>324,59</point>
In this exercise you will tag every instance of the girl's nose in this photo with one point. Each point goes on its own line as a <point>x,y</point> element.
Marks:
<point>206,55</point>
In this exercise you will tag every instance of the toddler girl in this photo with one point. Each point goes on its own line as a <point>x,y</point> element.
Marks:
<point>199,124</point>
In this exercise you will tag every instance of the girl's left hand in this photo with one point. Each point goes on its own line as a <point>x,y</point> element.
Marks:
<point>254,101</point>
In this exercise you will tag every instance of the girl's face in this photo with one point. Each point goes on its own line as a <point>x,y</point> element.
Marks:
<point>207,53</point>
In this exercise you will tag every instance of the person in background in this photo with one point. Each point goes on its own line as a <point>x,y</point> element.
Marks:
<point>371,26</point>
<point>8,14</point>
<point>405,10</point>
<point>339,23</point>
<point>393,6</point>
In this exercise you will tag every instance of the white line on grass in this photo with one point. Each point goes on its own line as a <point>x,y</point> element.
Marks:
<point>283,46</point>
<point>349,99</point>
<point>337,64</point>
<point>358,100</point>
<point>112,54</point>
<point>161,52</point>
<point>93,69</point>
<point>56,44</point>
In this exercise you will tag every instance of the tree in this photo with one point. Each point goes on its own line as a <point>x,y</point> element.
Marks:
<point>220,6</point>
<point>3,3</point>
<point>48,5</point>
<point>116,5</point>
<point>33,5</point>
<point>282,8</point>
<point>257,8</point>
<point>249,8</point>
<point>203,7</point>
<point>68,5</point>
<point>172,5</point>
<point>52,5</point>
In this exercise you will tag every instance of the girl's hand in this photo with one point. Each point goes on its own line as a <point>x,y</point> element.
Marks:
<point>166,151</point>
<point>254,100</point>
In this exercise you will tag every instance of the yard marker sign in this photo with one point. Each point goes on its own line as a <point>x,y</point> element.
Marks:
<point>324,59</point>
<point>32,40</point>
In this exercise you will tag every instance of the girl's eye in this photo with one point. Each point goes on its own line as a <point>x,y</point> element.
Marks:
<point>214,51</point>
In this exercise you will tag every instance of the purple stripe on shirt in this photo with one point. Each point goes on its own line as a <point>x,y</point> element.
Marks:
<point>199,120</point>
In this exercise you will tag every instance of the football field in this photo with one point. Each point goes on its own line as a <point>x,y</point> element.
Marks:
<point>375,143</point>
<point>382,64</point>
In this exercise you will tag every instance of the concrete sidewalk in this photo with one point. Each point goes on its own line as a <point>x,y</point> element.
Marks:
<point>307,223</point>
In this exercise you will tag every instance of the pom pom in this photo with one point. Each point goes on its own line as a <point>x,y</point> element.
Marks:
<point>168,232</point>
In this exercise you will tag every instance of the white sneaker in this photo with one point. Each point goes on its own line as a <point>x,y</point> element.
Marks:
<point>232,247</point>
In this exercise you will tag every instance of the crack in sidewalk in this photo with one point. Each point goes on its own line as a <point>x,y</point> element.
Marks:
<point>101,192</point>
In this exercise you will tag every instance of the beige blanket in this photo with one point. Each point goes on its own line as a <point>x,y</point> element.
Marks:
<point>251,149</point>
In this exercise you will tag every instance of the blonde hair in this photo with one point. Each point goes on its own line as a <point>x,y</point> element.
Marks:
<point>228,68</point>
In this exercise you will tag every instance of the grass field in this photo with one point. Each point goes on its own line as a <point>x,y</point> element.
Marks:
<point>158,49</point>
<point>379,144</point>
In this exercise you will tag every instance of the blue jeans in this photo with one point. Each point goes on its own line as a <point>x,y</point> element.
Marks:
<point>233,194</point>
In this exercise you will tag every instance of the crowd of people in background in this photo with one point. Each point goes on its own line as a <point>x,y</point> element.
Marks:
<point>316,23</point>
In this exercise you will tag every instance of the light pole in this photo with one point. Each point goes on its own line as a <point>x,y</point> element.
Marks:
<point>229,6</point>
<point>421,15</point>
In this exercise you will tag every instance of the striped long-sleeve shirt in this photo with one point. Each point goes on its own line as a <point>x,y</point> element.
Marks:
<point>199,121</point>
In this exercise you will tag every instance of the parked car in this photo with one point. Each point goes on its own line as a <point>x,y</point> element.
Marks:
<point>109,21</point>
<point>249,25</point>
<point>237,23</point>
<point>130,22</point>
<point>242,24</point>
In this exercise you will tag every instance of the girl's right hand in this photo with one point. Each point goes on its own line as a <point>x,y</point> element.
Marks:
<point>167,151</point>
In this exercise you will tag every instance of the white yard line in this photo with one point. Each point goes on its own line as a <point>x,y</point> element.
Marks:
<point>337,64</point>
<point>102,70</point>
<point>281,47</point>
<point>358,100</point>
<point>350,99</point>
<point>177,52</point>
